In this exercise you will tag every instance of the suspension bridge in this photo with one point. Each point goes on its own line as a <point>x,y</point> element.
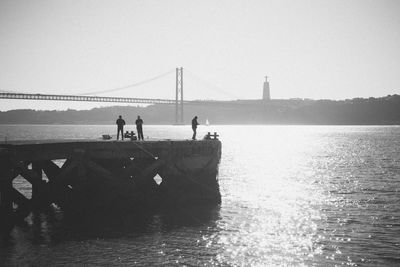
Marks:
<point>179,102</point>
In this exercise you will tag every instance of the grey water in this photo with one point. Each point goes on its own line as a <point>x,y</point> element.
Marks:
<point>291,195</point>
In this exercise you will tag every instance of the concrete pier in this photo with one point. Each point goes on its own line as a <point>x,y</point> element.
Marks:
<point>91,176</point>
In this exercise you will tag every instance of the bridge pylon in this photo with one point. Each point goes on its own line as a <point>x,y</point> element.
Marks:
<point>179,96</point>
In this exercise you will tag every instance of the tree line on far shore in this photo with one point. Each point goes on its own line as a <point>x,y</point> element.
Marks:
<point>358,111</point>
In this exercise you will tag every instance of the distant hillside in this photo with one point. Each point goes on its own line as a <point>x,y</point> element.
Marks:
<point>360,111</point>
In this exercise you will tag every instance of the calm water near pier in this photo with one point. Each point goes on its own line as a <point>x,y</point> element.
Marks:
<point>291,195</point>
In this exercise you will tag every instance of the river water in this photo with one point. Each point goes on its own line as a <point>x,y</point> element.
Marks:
<point>291,195</point>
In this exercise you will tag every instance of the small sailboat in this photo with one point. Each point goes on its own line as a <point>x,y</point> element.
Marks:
<point>207,122</point>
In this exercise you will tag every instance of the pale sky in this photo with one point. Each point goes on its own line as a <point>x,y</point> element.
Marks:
<point>320,49</point>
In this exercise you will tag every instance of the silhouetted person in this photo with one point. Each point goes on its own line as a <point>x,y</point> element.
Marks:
<point>120,124</point>
<point>194,127</point>
<point>139,127</point>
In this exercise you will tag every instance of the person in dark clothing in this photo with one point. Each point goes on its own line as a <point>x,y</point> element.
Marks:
<point>139,128</point>
<point>120,124</point>
<point>194,127</point>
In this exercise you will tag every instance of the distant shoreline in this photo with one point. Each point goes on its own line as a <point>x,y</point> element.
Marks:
<point>357,111</point>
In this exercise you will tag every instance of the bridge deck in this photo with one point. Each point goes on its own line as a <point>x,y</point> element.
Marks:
<point>23,96</point>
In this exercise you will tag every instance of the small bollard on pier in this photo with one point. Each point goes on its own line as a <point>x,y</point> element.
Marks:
<point>210,136</point>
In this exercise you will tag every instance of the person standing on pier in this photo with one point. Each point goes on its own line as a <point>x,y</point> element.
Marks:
<point>120,124</point>
<point>139,128</point>
<point>194,127</point>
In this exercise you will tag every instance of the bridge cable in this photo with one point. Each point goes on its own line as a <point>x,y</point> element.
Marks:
<point>9,91</point>
<point>210,85</point>
<point>130,85</point>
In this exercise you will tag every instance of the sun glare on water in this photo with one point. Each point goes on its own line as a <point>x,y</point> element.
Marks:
<point>274,185</point>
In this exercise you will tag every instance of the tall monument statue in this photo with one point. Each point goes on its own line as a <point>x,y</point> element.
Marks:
<point>266,92</point>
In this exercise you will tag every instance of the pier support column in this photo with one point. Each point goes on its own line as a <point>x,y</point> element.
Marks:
<point>34,177</point>
<point>35,186</point>
<point>6,203</point>
<point>6,206</point>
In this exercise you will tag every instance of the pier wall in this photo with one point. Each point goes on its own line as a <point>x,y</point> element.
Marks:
<point>86,177</point>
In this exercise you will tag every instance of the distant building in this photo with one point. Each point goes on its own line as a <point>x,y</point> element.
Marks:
<point>266,92</point>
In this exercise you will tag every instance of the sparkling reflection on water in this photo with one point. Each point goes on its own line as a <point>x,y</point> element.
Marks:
<point>292,195</point>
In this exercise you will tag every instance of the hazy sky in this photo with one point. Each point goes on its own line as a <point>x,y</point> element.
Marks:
<point>309,49</point>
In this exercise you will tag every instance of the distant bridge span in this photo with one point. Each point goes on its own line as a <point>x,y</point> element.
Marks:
<point>178,101</point>
<point>82,98</point>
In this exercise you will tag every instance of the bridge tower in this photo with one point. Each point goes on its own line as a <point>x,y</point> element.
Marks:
<point>179,94</point>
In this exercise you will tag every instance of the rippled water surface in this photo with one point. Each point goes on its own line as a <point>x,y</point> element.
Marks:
<point>291,195</point>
